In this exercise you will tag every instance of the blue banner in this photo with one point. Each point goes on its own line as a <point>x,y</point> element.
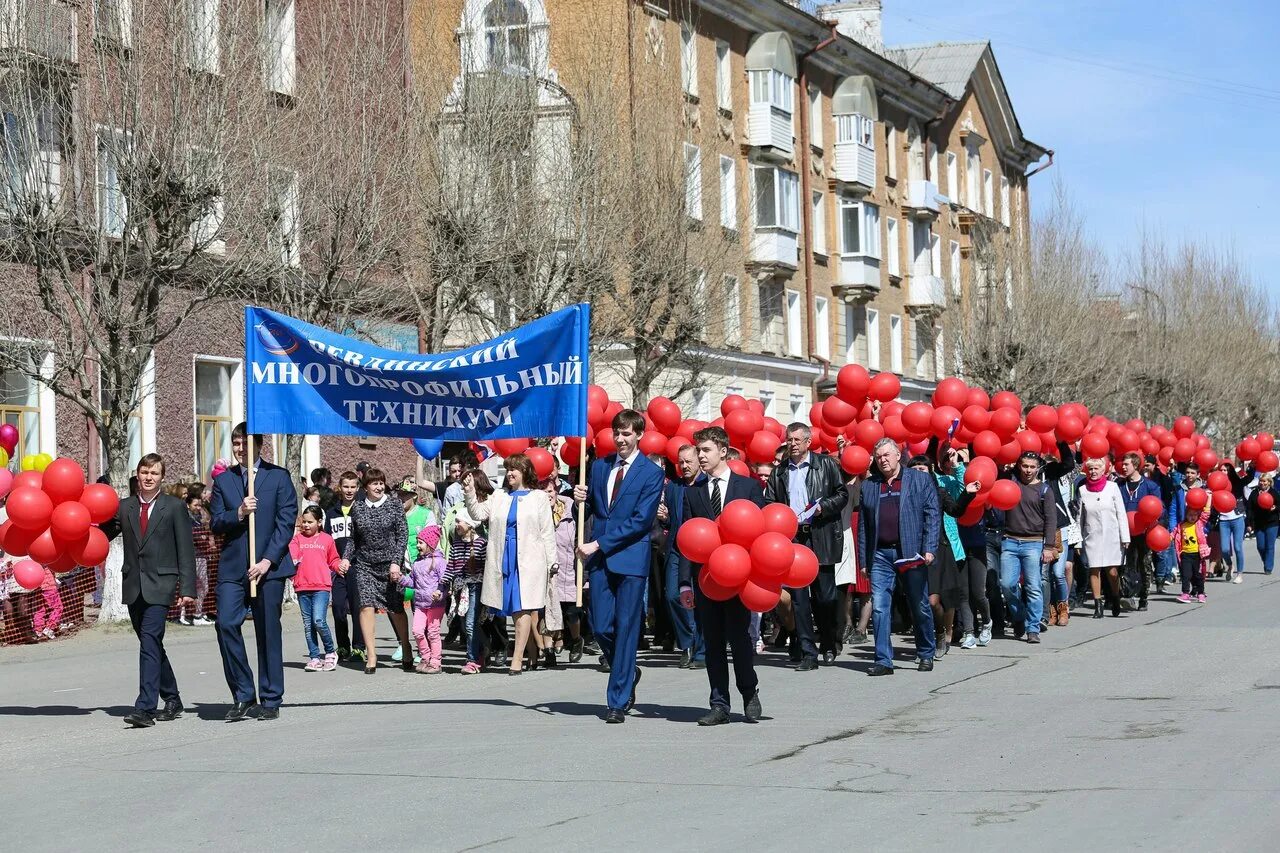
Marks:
<point>529,383</point>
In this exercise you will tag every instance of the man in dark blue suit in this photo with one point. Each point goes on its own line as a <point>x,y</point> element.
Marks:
<point>622,495</point>
<point>688,634</point>
<point>722,621</point>
<point>274,509</point>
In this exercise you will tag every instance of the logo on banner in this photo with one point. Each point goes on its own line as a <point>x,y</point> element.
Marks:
<point>275,338</point>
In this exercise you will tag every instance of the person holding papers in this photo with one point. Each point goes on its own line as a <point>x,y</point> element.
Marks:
<point>813,486</point>
<point>898,529</point>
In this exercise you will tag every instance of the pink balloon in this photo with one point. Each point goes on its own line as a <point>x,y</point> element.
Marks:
<point>6,481</point>
<point>28,574</point>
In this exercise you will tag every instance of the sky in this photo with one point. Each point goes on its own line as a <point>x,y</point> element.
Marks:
<point>1163,115</point>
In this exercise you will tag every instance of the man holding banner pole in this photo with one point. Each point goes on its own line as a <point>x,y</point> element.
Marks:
<point>621,494</point>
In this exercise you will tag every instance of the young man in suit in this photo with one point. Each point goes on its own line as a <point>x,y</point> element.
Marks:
<point>159,560</point>
<point>722,621</point>
<point>622,495</point>
<point>273,510</point>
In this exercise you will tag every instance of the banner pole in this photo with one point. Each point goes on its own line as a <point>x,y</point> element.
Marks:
<point>253,533</point>
<point>582,515</point>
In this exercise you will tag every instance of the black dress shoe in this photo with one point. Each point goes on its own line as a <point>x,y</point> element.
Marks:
<point>575,654</point>
<point>631,703</point>
<point>753,711</point>
<point>604,664</point>
<point>239,711</point>
<point>686,658</point>
<point>925,666</point>
<point>269,714</point>
<point>807,665</point>
<point>877,669</point>
<point>828,657</point>
<point>615,716</point>
<point>718,717</point>
<point>141,719</point>
<point>172,710</point>
<point>697,664</point>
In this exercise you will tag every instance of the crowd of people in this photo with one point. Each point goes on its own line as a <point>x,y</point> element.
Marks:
<point>486,561</point>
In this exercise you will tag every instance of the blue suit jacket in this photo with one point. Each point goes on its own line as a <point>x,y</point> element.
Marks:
<point>622,531</point>
<point>276,515</point>
<point>919,515</point>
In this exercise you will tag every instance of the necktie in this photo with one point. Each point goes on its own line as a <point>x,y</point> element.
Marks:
<point>717,499</point>
<point>617,482</point>
<point>142,519</point>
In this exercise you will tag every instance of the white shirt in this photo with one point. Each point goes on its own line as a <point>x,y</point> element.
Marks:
<point>622,464</point>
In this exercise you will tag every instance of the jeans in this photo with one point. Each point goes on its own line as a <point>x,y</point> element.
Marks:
<point>1020,560</point>
<point>1231,534</point>
<point>471,624</point>
<point>1058,585</point>
<point>314,605</point>
<point>1265,537</point>
<point>884,578</point>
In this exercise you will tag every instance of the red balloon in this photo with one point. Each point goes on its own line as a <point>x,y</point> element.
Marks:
<point>652,442</point>
<point>1265,440</point>
<point>780,518</point>
<point>1095,446</point>
<point>1218,481</point>
<point>804,568</point>
<point>755,407</point>
<point>979,398</point>
<point>855,460</point>
<point>597,398</point>
<point>713,589</point>
<point>697,538</point>
<point>739,467</point>
<point>973,514</point>
<point>1158,538</point>
<point>604,443</point>
<point>63,480</point>
<point>571,451</point>
<point>1197,499</point>
<point>44,549</point>
<point>1076,410</point>
<point>92,551</point>
<point>29,508</point>
<point>1029,441</point>
<point>665,414</point>
<point>853,383</point>
<point>815,415</point>
<point>771,556</point>
<point>837,413</point>
<point>891,408</point>
<point>983,471</point>
<point>1149,446</point>
<point>916,417</point>
<point>1248,450</point>
<point>1006,400</point>
<point>511,446</point>
<point>762,447</point>
<point>64,563</point>
<point>1184,450</point>
<point>69,522</point>
<point>1042,418</point>
<point>28,574</point>
<point>597,419</point>
<point>1136,525</point>
<point>1005,422</point>
<point>975,418</point>
<point>741,522</point>
<point>612,410</point>
<point>1150,508</point>
<point>894,429</point>
<point>775,426</point>
<point>759,598</point>
<point>884,387</point>
<point>739,424</point>
<point>543,463</point>
<point>1266,501</point>
<point>1009,453</point>
<point>32,479</point>
<point>16,540</point>
<point>732,403</point>
<point>729,565</point>
<point>943,418</point>
<point>1267,462</point>
<point>1206,459</point>
<point>987,443</point>
<point>1165,456</point>
<point>1224,501</point>
<point>1184,427</point>
<point>1004,494</point>
<point>1127,440</point>
<point>951,392</point>
<point>673,447</point>
<point>867,433</point>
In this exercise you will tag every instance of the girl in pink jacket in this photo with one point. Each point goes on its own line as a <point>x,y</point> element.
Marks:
<point>1192,539</point>
<point>316,557</point>
<point>428,598</point>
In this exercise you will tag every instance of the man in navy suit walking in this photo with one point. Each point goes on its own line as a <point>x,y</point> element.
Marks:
<point>274,509</point>
<point>622,495</point>
<point>722,621</point>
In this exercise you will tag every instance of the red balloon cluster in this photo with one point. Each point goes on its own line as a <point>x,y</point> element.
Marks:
<point>748,552</point>
<point>53,517</point>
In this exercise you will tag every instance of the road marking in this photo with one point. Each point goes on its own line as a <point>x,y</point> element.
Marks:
<point>69,690</point>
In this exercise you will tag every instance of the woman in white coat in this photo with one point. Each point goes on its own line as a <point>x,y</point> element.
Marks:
<point>1104,527</point>
<point>521,552</point>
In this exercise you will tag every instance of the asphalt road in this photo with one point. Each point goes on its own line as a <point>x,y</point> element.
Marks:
<point>1150,731</point>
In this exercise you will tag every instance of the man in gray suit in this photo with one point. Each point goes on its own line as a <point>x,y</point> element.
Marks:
<point>159,560</point>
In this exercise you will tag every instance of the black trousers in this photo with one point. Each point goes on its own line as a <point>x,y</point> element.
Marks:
<point>346,604</point>
<point>728,622</point>
<point>1137,568</point>
<point>155,675</point>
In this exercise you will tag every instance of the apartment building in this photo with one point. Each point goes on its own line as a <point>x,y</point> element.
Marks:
<point>860,182</point>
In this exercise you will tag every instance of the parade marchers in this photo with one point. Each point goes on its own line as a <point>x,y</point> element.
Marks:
<point>491,543</point>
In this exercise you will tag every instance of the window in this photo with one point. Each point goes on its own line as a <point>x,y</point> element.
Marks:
<point>870,230</point>
<point>895,343</point>
<point>770,304</point>
<point>206,175</point>
<point>933,161</point>
<point>113,21</point>
<point>955,268</point>
<point>972,167</point>
<point>859,228</point>
<point>32,150</point>
<point>702,404</point>
<point>819,224</point>
<point>506,34</point>
<point>777,199</point>
<point>217,410</point>
<point>794,323</point>
<point>797,408</point>
<point>724,76</point>
<point>815,117</point>
<point>855,334</point>
<point>732,311</point>
<point>891,236</point>
<point>698,296</point>
<point>855,128</point>
<point>939,363</point>
<point>693,181</point>
<point>988,203</point>
<point>766,400</point>
<point>309,459</point>
<point>935,255</point>
<point>822,330</point>
<point>25,403</point>
<point>891,152</point>
<point>728,193</point>
<point>113,207</point>
<point>953,177</point>
<point>689,59</point>
<point>284,213</point>
<point>282,58</point>
<point>775,88</point>
<point>873,339</point>
<point>1004,201</point>
<point>205,52</point>
<point>925,347</point>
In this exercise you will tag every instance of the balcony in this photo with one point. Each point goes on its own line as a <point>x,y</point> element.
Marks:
<point>855,166</point>
<point>926,292</point>
<point>859,278</point>
<point>769,130</point>
<point>38,29</point>
<point>922,199</point>
<point>775,250</point>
